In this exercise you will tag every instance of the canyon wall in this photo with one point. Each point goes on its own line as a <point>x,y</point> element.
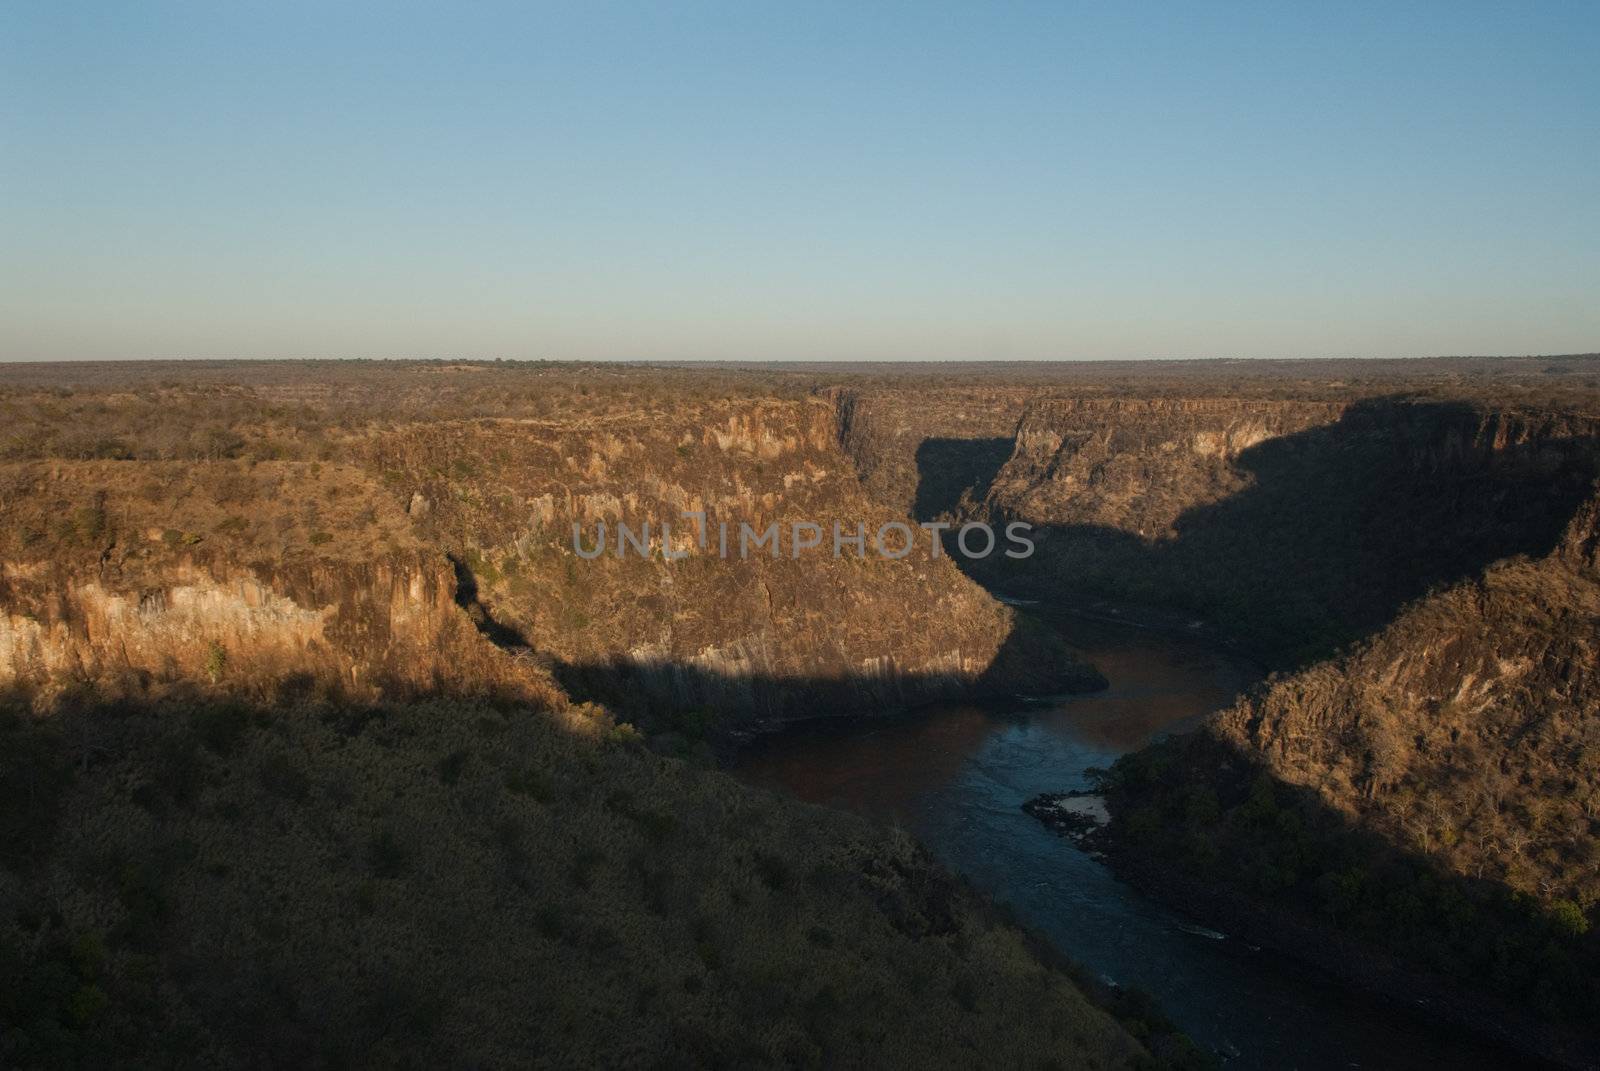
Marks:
<point>1286,525</point>
<point>1428,790</point>
<point>1420,815</point>
<point>1289,527</point>
<point>1136,465</point>
<point>98,588</point>
<point>363,573</point>
<point>1466,729</point>
<point>923,453</point>
<point>774,636</point>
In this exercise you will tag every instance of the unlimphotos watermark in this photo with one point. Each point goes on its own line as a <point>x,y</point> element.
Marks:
<point>894,539</point>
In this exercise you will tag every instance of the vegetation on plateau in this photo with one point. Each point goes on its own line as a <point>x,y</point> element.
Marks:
<point>202,884</point>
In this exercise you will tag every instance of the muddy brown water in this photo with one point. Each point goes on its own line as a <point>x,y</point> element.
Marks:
<point>956,775</point>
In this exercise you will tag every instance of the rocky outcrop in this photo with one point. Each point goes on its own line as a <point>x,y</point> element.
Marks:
<point>697,623</point>
<point>357,630</point>
<point>1420,815</point>
<point>1138,464</point>
<point>1291,527</point>
<point>131,577</point>
<point>1465,730</point>
<point>362,574</point>
<point>920,452</point>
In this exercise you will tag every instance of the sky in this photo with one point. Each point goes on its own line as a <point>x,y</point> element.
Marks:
<point>839,181</point>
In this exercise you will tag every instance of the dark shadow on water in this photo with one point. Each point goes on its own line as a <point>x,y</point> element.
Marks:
<point>703,701</point>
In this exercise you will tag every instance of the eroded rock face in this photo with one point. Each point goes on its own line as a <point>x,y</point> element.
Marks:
<point>363,574</point>
<point>1466,729</point>
<point>1466,725</point>
<point>1120,479</point>
<point>917,451</point>
<point>1290,526</point>
<point>773,636</point>
<point>363,631</point>
<point>1137,465</point>
<point>1280,520</point>
<point>132,576</point>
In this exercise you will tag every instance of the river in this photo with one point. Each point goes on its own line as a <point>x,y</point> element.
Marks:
<point>956,775</point>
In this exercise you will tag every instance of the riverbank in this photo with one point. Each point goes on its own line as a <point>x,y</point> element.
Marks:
<point>1347,961</point>
<point>1082,817</point>
<point>956,776</point>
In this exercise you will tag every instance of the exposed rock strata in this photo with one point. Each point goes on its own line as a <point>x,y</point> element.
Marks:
<point>1466,730</point>
<point>343,573</point>
<point>770,636</point>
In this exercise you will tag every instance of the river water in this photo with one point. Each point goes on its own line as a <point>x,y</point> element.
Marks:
<point>956,775</point>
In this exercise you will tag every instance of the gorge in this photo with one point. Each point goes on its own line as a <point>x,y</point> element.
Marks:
<point>371,563</point>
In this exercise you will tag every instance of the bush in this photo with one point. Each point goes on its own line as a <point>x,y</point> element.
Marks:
<point>34,775</point>
<point>386,855</point>
<point>451,766</point>
<point>222,727</point>
<point>1568,918</point>
<point>281,778</point>
<point>216,661</point>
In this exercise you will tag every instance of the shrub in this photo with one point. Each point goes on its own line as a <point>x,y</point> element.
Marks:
<point>451,766</point>
<point>89,523</point>
<point>531,783</point>
<point>216,661</point>
<point>1568,918</point>
<point>280,777</point>
<point>386,855</point>
<point>221,728</point>
<point>34,773</point>
<point>625,736</point>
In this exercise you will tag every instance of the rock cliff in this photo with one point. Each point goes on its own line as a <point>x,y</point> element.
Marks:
<point>1467,729</point>
<point>715,625</point>
<point>365,574</point>
<point>925,452</point>
<point>1291,527</point>
<point>127,585</point>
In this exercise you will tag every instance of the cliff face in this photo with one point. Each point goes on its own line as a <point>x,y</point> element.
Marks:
<point>358,630</point>
<point>777,636</point>
<point>923,452</point>
<point>366,575</point>
<point>1466,730</point>
<point>1420,815</point>
<point>1289,525</point>
<point>1459,539</point>
<point>198,868</point>
<point>1292,527</point>
<point>133,586</point>
<point>1145,465</point>
<point>1138,464</point>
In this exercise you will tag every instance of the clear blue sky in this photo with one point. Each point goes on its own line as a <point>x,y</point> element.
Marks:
<point>763,180</point>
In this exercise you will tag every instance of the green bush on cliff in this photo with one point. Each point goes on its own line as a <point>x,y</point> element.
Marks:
<point>1568,919</point>
<point>216,661</point>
